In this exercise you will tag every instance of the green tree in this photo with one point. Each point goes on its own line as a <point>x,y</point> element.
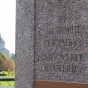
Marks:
<point>13,56</point>
<point>8,64</point>
<point>2,58</point>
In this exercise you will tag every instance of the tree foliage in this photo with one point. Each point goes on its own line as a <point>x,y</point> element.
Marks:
<point>13,56</point>
<point>8,64</point>
<point>2,59</point>
<point>3,56</point>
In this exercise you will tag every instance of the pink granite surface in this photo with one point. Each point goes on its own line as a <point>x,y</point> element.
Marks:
<point>51,41</point>
<point>61,45</point>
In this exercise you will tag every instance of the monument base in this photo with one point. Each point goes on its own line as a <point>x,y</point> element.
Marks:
<point>54,84</point>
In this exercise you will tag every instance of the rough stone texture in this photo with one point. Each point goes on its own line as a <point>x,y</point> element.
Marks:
<point>58,45</point>
<point>61,46</point>
<point>24,44</point>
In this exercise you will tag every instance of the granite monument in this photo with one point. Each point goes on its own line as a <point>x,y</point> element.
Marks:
<point>51,41</point>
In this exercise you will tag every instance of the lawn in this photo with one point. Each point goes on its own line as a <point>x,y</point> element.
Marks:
<point>7,83</point>
<point>10,73</point>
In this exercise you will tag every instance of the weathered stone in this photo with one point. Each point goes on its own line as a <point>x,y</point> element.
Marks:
<point>51,41</point>
<point>24,44</point>
<point>61,40</point>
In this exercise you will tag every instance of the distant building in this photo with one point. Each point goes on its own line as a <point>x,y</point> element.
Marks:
<point>2,47</point>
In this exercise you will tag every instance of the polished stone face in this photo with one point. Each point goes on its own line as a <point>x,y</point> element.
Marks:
<point>61,40</point>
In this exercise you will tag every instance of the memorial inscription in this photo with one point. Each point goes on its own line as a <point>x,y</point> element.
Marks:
<point>55,41</point>
<point>61,40</point>
<point>65,68</point>
<point>60,57</point>
<point>51,42</point>
<point>64,30</point>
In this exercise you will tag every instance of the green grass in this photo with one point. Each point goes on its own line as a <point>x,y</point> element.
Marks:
<point>10,73</point>
<point>8,83</point>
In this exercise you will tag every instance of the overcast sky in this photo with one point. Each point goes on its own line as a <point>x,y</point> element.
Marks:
<point>7,23</point>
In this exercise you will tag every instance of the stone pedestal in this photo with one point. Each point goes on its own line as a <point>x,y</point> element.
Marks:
<point>24,44</point>
<point>51,41</point>
<point>61,45</point>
